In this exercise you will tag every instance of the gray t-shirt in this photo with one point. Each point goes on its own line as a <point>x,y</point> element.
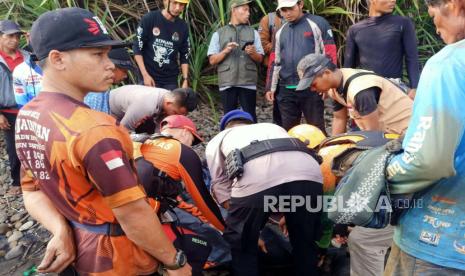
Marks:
<point>132,103</point>
<point>261,173</point>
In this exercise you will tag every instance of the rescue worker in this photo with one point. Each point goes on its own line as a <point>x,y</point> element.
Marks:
<point>375,103</point>
<point>140,108</point>
<point>167,158</point>
<point>78,175</point>
<point>163,39</point>
<point>302,34</point>
<point>430,240</point>
<point>123,64</point>
<point>237,50</point>
<point>244,195</point>
<point>381,43</point>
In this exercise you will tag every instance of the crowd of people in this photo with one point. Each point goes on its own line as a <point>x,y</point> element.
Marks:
<point>110,171</point>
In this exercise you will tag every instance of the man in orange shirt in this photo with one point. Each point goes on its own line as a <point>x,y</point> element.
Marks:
<point>78,165</point>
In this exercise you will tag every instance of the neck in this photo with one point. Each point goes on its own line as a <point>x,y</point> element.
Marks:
<point>337,78</point>
<point>298,18</point>
<point>234,21</point>
<point>167,15</point>
<point>51,83</point>
<point>375,13</point>
<point>9,51</point>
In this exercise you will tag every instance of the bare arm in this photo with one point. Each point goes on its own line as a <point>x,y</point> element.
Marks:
<point>185,75</point>
<point>148,235</point>
<point>148,80</point>
<point>218,58</point>
<point>60,249</point>
<point>339,121</point>
<point>253,54</point>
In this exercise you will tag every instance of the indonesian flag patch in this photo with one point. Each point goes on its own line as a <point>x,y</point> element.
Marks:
<point>113,159</point>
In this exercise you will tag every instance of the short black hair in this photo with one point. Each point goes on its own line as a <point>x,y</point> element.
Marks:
<point>238,121</point>
<point>185,97</point>
<point>436,3</point>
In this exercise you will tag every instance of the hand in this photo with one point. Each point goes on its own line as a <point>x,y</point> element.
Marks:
<point>269,95</point>
<point>4,123</point>
<point>225,204</point>
<point>341,239</point>
<point>183,271</point>
<point>185,84</point>
<point>262,246</point>
<point>250,50</point>
<point>148,80</point>
<point>230,46</point>
<point>412,93</point>
<point>283,226</point>
<point>59,254</point>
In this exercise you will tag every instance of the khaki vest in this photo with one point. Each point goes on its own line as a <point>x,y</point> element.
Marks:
<point>394,106</point>
<point>237,68</point>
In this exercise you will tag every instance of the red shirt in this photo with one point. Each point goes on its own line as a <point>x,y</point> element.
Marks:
<point>12,62</point>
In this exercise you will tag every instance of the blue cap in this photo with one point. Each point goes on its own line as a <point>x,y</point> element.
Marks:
<point>234,114</point>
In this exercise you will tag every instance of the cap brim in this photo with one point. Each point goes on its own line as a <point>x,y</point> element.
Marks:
<point>242,4</point>
<point>105,43</point>
<point>13,32</point>
<point>124,65</point>
<point>197,138</point>
<point>304,83</point>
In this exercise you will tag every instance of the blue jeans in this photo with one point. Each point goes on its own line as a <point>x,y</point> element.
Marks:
<point>402,264</point>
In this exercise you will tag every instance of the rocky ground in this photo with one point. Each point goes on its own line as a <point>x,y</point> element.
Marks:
<point>23,241</point>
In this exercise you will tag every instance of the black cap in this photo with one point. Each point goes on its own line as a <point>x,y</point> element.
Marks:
<point>121,58</point>
<point>9,27</point>
<point>67,29</point>
<point>311,65</point>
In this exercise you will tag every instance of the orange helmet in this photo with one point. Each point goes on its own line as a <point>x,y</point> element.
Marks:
<point>310,135</point>
<point>339,152</point>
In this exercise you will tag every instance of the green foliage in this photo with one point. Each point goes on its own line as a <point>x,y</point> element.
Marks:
<point>205,16</point>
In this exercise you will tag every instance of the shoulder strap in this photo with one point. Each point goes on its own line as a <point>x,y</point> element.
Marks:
<point>351,78</point>
<point>260,148</point>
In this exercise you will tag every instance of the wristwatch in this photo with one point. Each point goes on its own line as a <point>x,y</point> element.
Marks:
<point>185,78</point>
<point>180,261</point>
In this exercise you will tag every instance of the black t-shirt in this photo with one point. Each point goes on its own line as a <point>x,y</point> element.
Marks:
<point>162,43</point>
<point>380,44</point>
<point>366,101</point>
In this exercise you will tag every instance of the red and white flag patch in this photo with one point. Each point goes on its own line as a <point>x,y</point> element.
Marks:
<point>113,159</point>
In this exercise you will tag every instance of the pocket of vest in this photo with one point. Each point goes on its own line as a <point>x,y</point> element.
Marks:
<point>251,67</point>
<point>223,68</point>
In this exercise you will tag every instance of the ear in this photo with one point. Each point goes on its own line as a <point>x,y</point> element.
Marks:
<point>57,60</point>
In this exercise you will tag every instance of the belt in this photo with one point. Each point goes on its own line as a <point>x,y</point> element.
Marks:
<point>108,229</point>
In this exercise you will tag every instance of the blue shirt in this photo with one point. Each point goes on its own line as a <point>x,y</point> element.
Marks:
<point>214,48</point>
<point>433,164</point>
<point>98,101</point>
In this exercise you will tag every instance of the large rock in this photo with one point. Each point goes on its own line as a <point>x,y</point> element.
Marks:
<point>14,252</point>
<point>26,226</point>
<point>3,243</point>
<point>3,217</point>
<point>4,228</point>
<point>15,236</point>
<point>17,216</point>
